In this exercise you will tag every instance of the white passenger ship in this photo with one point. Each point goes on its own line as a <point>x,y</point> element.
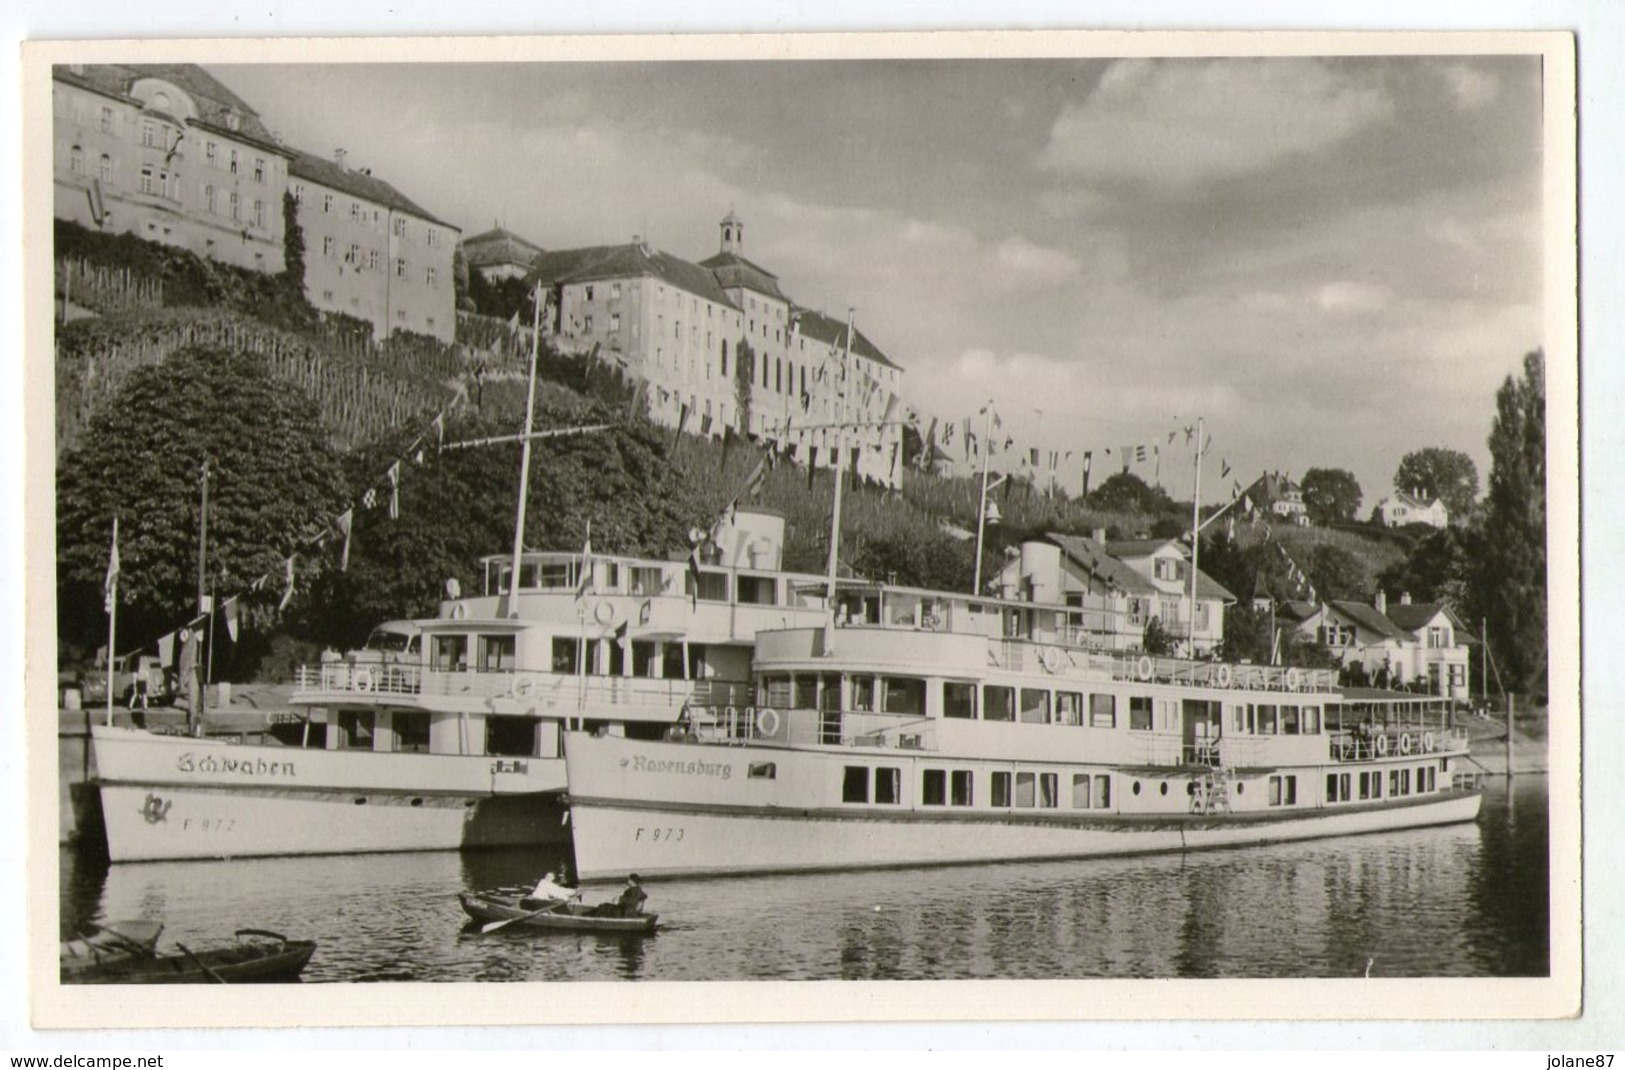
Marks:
<point>445,733</point>
<point>913,731</point>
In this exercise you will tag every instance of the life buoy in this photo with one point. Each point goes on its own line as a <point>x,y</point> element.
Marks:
<point>1051,658</point>
<point>459,611</point>
<point>1293,680</point>
<point>603,612</point>
<point>1382,746</point>
<point>1428,742</point>
<point>767,722</point>
<point>1405,743</point>
<point>363,679</point>
<point>1144,667</point>
<point>1223,675</point>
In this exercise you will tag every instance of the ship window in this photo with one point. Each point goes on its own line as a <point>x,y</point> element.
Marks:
<point>1275,791</point>
<point>647,580</point>
<point>1025,790</point>
<point>934,787</point>
<point>496,653</point>
<point>1034,705</point>
<point>1331,787</point>
<point>762,771</point>
<point>1283,791</point>
<point>556,576</point>
<point>905,695</point>
<point>806,692</point>
<point>863,693</point>
<point>1289,720</point>
<point>1102,711</point>
<point>411,731</point>
<point>355,729</point>
<point>449,653</point>
<point>1068,708</point>
<point>757,591</point>
<point>778,691</point>
<point>1049,791</point>
<point>1103,792</point>
<point>958,699</point>
<point>998,703</point>
<point>1421,779</point>
<point>1266,720</point>
<point>1000,797</point>
<point>565,653</point>
<point>960,788</point>
<point>1139,713</point>
<point>513,737</point>
<point>1080,791</point>
<point>712,586</point>
<point>1311,720</point>
<point>643,658</point>
<point>855,784</point>
<point>888,786</point>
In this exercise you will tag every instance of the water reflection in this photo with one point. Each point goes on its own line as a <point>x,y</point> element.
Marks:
<point>1462,900</point>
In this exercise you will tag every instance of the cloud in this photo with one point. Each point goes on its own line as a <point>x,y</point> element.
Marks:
<point>1472,88</point>
<point>1025,264</point>
<point>1345,296</point>
<point>1182,123</point>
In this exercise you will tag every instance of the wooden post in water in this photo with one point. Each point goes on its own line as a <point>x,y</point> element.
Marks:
<point>1509,734</point>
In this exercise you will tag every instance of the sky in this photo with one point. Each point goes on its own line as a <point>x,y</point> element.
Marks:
<point>1332,261</point>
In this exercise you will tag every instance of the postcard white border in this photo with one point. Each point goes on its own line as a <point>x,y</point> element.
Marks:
<point>66,1007</point>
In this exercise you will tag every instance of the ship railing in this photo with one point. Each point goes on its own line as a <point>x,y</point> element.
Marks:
<point>806,727</point>
<point>360,679</point>
<point>560,691</point>
<point>1369,744</point>
<point>1146,668</point>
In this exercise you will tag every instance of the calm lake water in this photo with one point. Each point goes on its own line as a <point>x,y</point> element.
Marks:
<point>1467,900</point>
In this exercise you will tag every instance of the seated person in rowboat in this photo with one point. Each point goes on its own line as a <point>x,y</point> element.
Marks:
<point>552,886</point>
<point>628,905</point>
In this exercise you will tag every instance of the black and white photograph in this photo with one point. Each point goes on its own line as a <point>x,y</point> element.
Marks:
<point>952,508</point>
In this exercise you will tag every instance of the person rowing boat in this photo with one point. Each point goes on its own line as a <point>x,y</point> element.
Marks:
<point>552,886</point>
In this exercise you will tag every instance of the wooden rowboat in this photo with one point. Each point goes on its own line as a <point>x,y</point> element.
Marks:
<point>553,914</point>
<point>99,945</point>
<point>258,957</point>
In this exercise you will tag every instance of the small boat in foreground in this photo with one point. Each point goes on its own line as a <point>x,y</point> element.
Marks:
<point>100,945</point>
<point>258,957</point>
<point>517,907</point>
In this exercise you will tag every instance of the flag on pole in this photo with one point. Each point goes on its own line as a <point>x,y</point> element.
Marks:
<point>345,522</point>
<point>1139,455</point>
<point>622,634</point>
<point>1088,462</point>
<point>287,590</point>
<point>395,491</point>
<point>757,480</point>
<point>110,587</point>
<point>439,426</point>
<point>1224,468</point>
<point>229,608</point>
<point>584,576</point>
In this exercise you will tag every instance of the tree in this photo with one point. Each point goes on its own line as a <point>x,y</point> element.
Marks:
<point>1246,634</point>
<point>1438,569</point>
<point>274,481</point>
<point>1335,573</point>
<point>1127,492</point>
<point>1448,475</point>
<point>1157,640</point>
<point>1510,580</point>
<point>1330,495</point>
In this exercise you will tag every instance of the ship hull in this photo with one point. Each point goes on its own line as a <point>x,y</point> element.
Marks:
<point>697,833</point>
<point>171,797</point>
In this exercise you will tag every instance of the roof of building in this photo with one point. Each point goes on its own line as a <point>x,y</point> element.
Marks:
<point>1097,561</point>
<point>1412,500</point>
<point>1296,609</point>
<point>1271,487</point>
<point>734,271</point>
<point>499,246</point>
<point>816,325</point>
<point>357,184</point>
<point>1414,615</point>
<point>214,101</point>
<point>1141,547</point>
<point>631,260</point>
<point>1367,617</point>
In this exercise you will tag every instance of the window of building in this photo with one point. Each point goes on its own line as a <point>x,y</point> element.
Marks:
<point>1266,720</point>
<point>233,164</point>
<point>958,700</point>
<point>614,321</point>
<point>149,133</point>
<point>400,267</point>
<point>355,211</point>
<point>1139,713</point>
<point>431,236</point>
<point>998,703</point>
<point>961,788</point>
<point>209,200</point>
<point>1289,720</point>
<point>999,796</point>
<point>259,169</point>
<point>934,787</point>
<point>615,289</point>
<point>353,254</point>
<point>104,168</point>
<point>428,276</point>
<point>107,120</point>
<point>1034,705</point>
<point>148,181</point>
<point>327,203</point>
<point>259,213</point>
<point>855,784</point>
<point>400,227</point>
<point>76,160</point>
<point>1068,708</point>
<point>327,246</point>
<point>372,259</point>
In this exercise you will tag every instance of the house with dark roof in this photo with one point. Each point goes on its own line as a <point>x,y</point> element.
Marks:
<point>168,153</point>
<point>722,346</point>
<point>1407,644</point>
<point>370,251</point>
<point>1112,590</point>
<point>499,253</point>
<point>1277,495</point>
<point>1401,508</point>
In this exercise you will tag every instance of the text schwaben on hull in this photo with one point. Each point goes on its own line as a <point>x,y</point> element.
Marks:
<point>720,770</point>
<point>90,1062</point>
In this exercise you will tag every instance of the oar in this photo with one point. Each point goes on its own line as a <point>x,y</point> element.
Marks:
<point>493,926</point>
<point>204,966</point>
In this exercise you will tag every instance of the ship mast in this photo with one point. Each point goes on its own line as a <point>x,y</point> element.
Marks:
<point>835,513</point>
<point>524,456</point>
<point>1196,533</point>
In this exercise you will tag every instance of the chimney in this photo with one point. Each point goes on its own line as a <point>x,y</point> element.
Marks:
<point>1382,602</point>
<point>1404,598</point>
<point>338,158</point>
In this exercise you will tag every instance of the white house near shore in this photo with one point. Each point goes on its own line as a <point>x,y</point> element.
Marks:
<point>1401,509</point>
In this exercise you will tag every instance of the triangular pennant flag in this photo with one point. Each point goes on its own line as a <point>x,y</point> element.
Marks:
<point>584,576</point>
<point>1224,468</point>
<point>345,522</point>
<point>439,426</point>
<point>110,586</point>
<point>622,633</point>
<point>757,480</point>
<point>287,591</point>
<point>166,650</point>
<point>230,610</point>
